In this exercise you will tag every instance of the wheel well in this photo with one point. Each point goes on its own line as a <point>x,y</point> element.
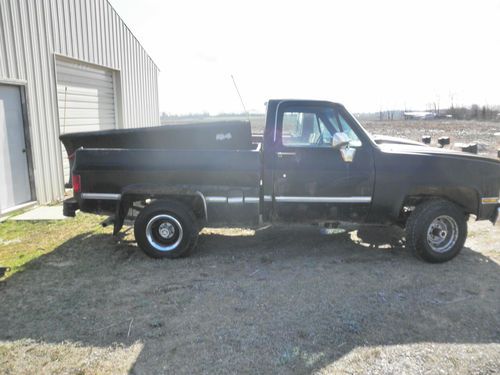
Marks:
<point>195,202</point>
<point>411,201</point>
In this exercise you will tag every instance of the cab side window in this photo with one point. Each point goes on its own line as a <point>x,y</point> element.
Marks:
<point>314,127</point>
<point>304,129</point>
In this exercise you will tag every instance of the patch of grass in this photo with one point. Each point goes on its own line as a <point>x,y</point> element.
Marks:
<point>67,358</point>
<point>23,241</point>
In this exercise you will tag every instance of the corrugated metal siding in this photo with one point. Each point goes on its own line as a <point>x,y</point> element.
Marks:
<point>32,31</point>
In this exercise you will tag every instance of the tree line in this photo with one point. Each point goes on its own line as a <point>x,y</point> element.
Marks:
<point>475,112</point>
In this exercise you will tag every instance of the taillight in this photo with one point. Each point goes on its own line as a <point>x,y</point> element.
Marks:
<point>76,182</point>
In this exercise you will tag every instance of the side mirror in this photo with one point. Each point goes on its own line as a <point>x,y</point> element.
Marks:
<point>340,140</point>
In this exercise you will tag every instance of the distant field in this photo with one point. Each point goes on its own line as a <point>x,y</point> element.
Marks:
<point>458,131</point>
<point>257,120</point>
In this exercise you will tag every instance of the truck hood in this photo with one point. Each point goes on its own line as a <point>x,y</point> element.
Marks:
<point>384,139</point>
<point>421,149</point>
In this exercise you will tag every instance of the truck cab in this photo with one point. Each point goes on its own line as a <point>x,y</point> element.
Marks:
<point>318,163</point>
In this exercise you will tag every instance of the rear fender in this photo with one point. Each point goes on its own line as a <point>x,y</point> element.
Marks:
<point>188,194</point>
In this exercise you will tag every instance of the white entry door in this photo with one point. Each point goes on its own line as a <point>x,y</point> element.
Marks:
<point>14,179</point>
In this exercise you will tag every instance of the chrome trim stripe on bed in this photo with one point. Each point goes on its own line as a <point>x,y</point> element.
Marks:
<point>232,200</point>
<point>103,196</point>
<point>216,199</point>
<point>288,199</point>
<point>251,199</point>
<point>235,200</point>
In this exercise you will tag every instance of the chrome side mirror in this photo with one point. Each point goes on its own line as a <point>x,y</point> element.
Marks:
<point>340,140</point>
<point>347,154</point>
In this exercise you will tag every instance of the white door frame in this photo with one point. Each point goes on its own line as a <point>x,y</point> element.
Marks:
<point>22,85</point>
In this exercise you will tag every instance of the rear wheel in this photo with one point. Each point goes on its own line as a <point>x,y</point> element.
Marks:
<point>166,229</point>
<point>436,230</point>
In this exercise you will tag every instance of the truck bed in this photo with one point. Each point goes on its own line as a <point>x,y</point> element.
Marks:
<point>227,135</point>
<point>229,180</point>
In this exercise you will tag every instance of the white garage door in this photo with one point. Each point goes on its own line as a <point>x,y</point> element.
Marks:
<point>86,100</point>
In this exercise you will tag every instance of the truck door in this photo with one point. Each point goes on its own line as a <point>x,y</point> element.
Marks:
<point>312,180</point>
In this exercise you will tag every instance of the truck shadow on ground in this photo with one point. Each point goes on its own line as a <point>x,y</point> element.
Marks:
<point>280,300</point>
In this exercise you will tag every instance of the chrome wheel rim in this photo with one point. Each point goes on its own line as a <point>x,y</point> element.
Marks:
<point>164,232</point>
<point>442,234</point>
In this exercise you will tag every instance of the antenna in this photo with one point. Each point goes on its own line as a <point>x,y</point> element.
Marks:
<point>241,99</point>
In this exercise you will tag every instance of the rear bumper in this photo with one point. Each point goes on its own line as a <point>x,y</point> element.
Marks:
<point>70,206</point>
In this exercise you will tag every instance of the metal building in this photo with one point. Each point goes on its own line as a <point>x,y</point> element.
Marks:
<point>65,66</point>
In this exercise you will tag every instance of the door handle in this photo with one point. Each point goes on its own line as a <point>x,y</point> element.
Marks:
<point>282,154</point>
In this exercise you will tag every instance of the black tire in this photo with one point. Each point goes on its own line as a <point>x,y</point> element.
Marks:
<point>436,230</point>
<point>166,229</point>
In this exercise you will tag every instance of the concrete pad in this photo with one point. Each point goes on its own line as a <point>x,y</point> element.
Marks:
<point>42,213</point>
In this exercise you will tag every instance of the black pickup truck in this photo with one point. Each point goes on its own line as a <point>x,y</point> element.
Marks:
<point>314,163</point>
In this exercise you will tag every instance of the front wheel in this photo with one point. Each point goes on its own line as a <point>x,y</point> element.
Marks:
<point>166,229</point>
<point>436,230</point>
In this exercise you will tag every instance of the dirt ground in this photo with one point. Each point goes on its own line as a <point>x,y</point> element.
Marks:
<point>278,300</point>
<point>274,300</point>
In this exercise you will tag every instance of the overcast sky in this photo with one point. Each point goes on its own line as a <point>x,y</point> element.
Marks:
<point>368,55</point>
